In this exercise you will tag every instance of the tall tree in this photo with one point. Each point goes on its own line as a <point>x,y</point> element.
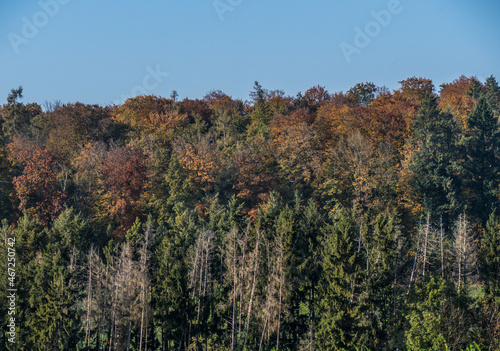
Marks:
<point>52,319</point>
<point>16,117</point>
<point>363,93</point>
<point>37,187</point>
<point>490,257</point>
<point>338,312</point>
<point>377,301</point>
<point>465,253</point>
<point>435,161</point>
<point>492,94</point>
<point>482,161</point>
<point>260,113</point>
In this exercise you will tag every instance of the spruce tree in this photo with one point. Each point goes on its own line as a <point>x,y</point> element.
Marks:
<point>338,310</point>
<point>434,162</point>
<point>481,161</point>
<point>377,299</point>
<point>491,257</point>
<point>260,115</point>
<point>475,90</point>
<point>492,94</point>
<point>51,321</point>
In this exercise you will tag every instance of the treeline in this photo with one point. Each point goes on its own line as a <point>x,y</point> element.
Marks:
<point>316,222</point>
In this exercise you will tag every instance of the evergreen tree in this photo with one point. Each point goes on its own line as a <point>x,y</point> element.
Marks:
<point>492,94</point>
<point>475,90</point>
<point>261,113</point>
<point>6,187</point>
<point>70,231</point>
<point>425,315</point>
<point>337,309</point>
<point>171,295</point>
<point>377,304</point>
<point>481,161</point>
<point>434,162</point>
<point>491,256</point>
<point>52,321</point>
<point>309,226</point>
<point>16,117</point>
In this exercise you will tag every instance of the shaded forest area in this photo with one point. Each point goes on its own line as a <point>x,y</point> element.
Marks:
<point>317,222</point>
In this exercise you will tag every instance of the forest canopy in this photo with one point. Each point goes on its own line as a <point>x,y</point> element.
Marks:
<point>367,218</point>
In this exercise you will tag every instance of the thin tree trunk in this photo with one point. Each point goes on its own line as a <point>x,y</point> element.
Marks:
<point>281,282</point>
<point>128,336</point>
<point>256,254</point>
<point>426,231</point>
<point>234,292</point>
<point>89,296</point>
<point>263,332</point>
<point>142,326</point>
<point>414,265</point>
<point>112,332</point>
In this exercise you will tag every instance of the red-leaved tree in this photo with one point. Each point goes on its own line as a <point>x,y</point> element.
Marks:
<point>37,187</point>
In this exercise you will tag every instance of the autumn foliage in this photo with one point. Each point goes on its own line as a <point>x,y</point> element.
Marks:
<point>362,219</point>
<point>37,187</point>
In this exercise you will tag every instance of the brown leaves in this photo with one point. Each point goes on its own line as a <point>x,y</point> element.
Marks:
<point>124,177</point>
<point>201,159</point>
<point>454,96</point>
<point>72,126</point>
<point>135,112</point>
<point>36,188</point>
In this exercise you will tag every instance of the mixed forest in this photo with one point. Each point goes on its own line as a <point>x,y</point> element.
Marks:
<point>366,219</point>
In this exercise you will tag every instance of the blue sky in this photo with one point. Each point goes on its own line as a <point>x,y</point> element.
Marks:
<point>103,51</point>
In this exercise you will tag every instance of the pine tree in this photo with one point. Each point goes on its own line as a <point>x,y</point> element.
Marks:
<point>475,89</point>
<point>481,161</point>
<point>491,256</point>
<point>492,94</point>
<point>170,296</point>
<point>14,116</point>
<point>261,113</point>
<point>338,311</point>
<point>425,315</point>
<point>434,161</point>
<point>52,320</point>
<point>377,301</point>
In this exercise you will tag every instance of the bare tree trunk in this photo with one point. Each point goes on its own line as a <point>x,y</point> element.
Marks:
<point>233,253</point>
<point>128,336</point>
<point>142,326</point>
<point>89,295</point>
<point>263,332</point>
<point>279,317</point>
<point>256,257</point>
<point>240,274</point>
<point>426,233</point>
<point>111,340</point>
<point>144,278</point>
<point>414,264</point>
<point>281,272</point>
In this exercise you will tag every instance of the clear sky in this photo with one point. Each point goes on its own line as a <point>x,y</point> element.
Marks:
<point>102,51</point>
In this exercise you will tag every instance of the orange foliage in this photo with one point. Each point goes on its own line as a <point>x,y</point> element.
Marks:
<point>256,177</point>
<point>414,89</point>
<point>135,111</point>
<point>72,126</point>
<point>124,177</point>
<point>454,96</point>
<point>336,121</point>
<point>201,160</point>
<point>37,187</point>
